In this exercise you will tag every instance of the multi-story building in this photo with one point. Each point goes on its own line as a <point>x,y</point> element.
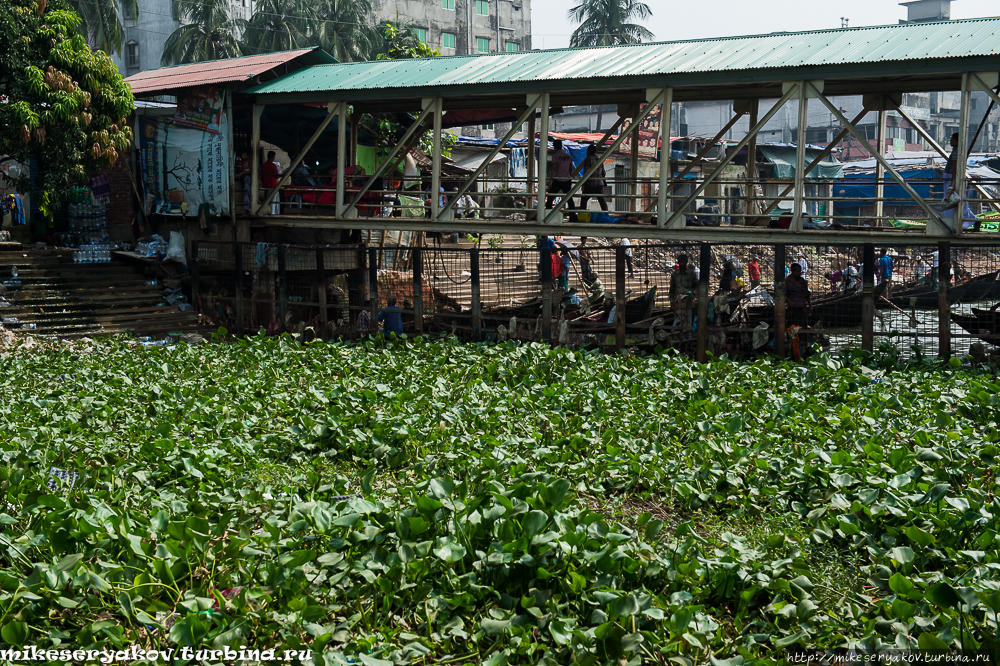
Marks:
<point>460,27</point>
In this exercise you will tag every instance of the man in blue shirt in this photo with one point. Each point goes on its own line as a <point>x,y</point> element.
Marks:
<point>885,264</point>
<point>391,318</point>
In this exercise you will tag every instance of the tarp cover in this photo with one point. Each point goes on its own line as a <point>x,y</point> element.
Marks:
<point>783,163</point>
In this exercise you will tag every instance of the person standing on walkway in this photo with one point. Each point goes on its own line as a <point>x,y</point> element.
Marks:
<point>594,187</point>
<point>364,323</point>
<point>627,244</point>
<point>800,259</point>
<point>269,172</point>
<point>562,177</point>
<point>885,265</point>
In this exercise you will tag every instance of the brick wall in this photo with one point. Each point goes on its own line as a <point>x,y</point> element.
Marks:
<point>123,204</point>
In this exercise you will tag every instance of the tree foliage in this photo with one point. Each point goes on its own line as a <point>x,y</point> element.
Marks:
<point>209,32</point>
<point>102,22</point>
<point>62,103</point>
<point>609,22</point>
<point>400,42</point>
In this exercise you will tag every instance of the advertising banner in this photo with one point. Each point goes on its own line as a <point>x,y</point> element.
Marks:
<point>181,165</point>
<point>200,108</point>
<point>649,134</point>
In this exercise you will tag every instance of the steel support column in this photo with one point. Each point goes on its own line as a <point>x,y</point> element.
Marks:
<point>800,158</point>
<point>543,156</point>
<point>750,203</point>
<point>342,149</point>
<point>883,116</point>
<point>958,181</point>
<point>665,122</point>
<point>633,165</point>
<point>868,298</point>
<point>193,266</point>
<point>705,266</point>
<point>258,109</point>
<point>779,300</point>
<point>531,185</point>
<point>438,106</point>
<point>944,308</point>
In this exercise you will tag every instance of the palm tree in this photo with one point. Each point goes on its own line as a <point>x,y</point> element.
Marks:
<point>281,25</point>
<point>607,22</point>
<point>347,29</point>
<point>102,22</point>
<point>208,32</point>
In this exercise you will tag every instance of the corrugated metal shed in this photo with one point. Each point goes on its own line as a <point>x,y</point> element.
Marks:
<point>215,72</point>
<point>711,61</point>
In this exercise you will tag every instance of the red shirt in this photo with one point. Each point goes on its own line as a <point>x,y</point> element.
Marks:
<point>754,270</point>
<point>269,174</point>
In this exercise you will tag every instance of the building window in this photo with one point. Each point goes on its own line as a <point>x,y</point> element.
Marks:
<point>421,35</point>
<point>483,7</point>
<point>513,47</point>
<point>488,126</point>
<point>482,45</point>
<point>448,4</point>
<point>132,55</point>
<point>448,40</point>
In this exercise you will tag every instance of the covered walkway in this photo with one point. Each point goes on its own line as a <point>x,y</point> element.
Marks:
<point>712,196</point>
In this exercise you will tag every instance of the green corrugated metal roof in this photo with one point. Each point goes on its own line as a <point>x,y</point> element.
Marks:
<point>724,57</point>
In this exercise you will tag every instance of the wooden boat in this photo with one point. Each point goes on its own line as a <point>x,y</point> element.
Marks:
<point>985,324</point>
<point>840,309</point>
<point>925,297</point>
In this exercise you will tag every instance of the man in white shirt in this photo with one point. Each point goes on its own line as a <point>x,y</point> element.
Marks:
<point>800,259</point>
<point>628,256</point>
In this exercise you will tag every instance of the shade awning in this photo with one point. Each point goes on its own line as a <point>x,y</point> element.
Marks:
<point>473,161</point>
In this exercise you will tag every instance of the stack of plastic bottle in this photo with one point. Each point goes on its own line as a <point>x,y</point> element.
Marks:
<point>151,248</point>
<point>88,225</point>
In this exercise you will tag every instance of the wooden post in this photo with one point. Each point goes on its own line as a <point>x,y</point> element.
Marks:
<point>546,255</point>
<point>477,311</point>
<point>238,286</point>
<point>193,265</point>
<point>418,290</point>
<point>324,316</point>
<point>620,298</point>
<point>282,289</point>
<point>868,298</point>
<point>231,149</point>
<point>779,300</point>
<point>705,266</point>
<point>342,148</point>
<point>436,160</point>
<point>944,310</point>
<point>373,285</point>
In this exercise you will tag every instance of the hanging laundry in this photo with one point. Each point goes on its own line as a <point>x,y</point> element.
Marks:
<point>12,204</point>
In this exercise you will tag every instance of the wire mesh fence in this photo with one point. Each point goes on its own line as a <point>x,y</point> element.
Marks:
<point>753,299</point>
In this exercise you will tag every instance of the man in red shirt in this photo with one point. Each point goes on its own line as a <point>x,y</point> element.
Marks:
<point>269,173</point>
<point>753,272</point>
